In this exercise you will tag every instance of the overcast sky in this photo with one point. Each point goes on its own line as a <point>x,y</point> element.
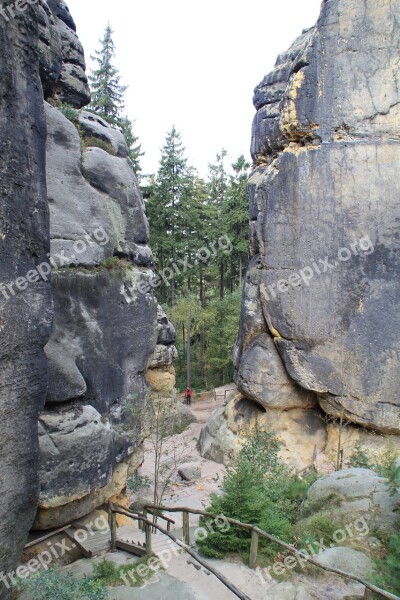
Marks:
<point>193,64</point>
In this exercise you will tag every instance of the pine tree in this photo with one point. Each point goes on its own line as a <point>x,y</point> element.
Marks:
<point>236,218</point>
<point>107,92</point>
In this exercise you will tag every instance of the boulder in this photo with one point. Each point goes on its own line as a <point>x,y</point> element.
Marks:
<point>290,591</point>
<point>94,126</point>
<point>355,495</point>
<point>190,472</point>
<point>263,378</point>
<point>347,560</point>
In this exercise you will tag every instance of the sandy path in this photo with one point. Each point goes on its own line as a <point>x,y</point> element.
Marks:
<point>183,448</point>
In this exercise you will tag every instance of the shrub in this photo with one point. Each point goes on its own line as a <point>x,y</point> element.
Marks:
<point>260,490</point>
<point>388,569</point>
<point>52,584</point>
<point>94,142</point>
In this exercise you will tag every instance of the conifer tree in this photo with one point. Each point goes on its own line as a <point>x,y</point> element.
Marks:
<point>107,92</point>
<point>108,97</point>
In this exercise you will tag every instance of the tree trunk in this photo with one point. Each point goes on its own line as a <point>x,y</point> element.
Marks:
<point>188,357</point>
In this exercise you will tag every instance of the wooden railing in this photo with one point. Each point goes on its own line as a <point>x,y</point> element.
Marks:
<point>256,533</point>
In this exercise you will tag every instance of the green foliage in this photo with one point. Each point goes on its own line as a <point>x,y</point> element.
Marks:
<point>110,574</point>
<point>108,98</point>
<point>382,464</point>
<point>134,146</point>
<point>115,264</point>
<point>107,92</point>
<point>360,459</point>
<point>70,113</point>
<point>259,489</point>
<point>311,508</point>
<point>94,142</point>
<point>387,570</point>
<point>139,482</point>
<point>52,584</point>
<point>319,527</point>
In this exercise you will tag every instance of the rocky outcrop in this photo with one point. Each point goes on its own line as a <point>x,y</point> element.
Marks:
<point>302,432</point>
<point>355,496</point>
<point>320,313</point>
<point>111,345</point>
<point>25,308</point>
<point>323,200</point>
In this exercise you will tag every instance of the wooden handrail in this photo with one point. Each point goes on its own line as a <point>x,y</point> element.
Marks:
<point>292,549</point>
<point>203,563</point>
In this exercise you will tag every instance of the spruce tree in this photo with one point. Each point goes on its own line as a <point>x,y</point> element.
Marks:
<point>134,146</point>
<point>169,209</point>
<point>108,97</point>
<point>107,92</point>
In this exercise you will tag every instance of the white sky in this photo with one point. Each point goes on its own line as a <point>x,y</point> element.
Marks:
<point>193,64</point>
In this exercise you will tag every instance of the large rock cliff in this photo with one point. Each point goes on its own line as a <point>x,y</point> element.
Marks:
<point>25,314</point>
<point>84,343</point>
<point>320,319</point>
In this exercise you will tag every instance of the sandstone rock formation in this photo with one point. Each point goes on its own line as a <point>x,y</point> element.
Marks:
<point>103,346</point>
<point>25,314</point>
<point>320,315</point>
<point>111,344</point>
<point>355,494</point>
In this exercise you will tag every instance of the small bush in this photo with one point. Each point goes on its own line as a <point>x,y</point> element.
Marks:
<point>259,490</point>
<point>71,114</point>
<point>388,569</point>
<point>52,584</point>
<point>94,142</point>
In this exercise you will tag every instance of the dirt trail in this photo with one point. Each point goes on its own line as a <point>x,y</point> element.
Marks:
<point>183,448</point>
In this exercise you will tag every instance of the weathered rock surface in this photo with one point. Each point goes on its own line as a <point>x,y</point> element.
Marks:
<point>352,494</point>
<point>347,560</point>
<point>25,314</point>
<point>189,472</point>
<point>324,280</point>
<point>104,340</point>
<point>301,432</point>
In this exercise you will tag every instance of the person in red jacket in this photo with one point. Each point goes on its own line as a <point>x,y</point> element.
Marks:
<point>188,395</point>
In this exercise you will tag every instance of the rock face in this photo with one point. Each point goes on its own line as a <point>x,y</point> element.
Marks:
<point>87,375</point>
<point>25,311</point>
<point>323,198</point>
<point>111,345</point>
<point>320,317</point>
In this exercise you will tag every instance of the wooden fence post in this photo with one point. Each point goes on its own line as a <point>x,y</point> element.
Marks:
<point>113,528</point>
<point>147,529</point>
<point>253,549</point>
<point>186,530</point>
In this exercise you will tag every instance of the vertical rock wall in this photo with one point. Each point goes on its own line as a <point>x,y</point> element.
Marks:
<point>320,323</point>
<point>25,314</point>
<point>324,216</point>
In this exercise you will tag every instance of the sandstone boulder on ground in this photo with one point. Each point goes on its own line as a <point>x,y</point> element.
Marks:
<point>347,560</point>
<point>355,495</point>
<point>189,472</point>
